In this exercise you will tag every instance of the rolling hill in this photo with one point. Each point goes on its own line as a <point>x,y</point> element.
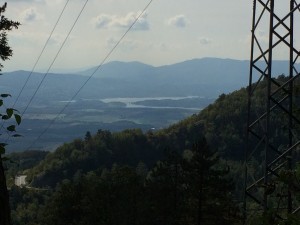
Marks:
<point>120,95</point>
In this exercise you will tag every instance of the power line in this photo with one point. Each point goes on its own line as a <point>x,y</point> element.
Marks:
<point>53,61</point>
<point>61,47</point>
<point>38,59</point>
<point>40,55</point>
<point>92,74</point>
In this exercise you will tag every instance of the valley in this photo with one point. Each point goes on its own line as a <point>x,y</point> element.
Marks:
<point>121,95</point>
<point>114,114</point>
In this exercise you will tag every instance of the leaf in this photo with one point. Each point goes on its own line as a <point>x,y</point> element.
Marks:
<point>1,102</point>
<point>17,135</point>
<point>2,148</point>
<point>18,118</point>
<point>5,95</point>
<point>5,159</point>
<point>5,117</point>
<point>15,110</point>
<point>11,128</point>
<point>9,112</point>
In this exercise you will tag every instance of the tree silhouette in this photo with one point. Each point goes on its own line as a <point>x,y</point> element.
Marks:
<point>208,187</point>
<point>5,54</point>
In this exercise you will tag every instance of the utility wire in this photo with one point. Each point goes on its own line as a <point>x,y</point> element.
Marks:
<point>39,57</point>
<point>92,74</point>
<point>47,72</point>
<point>53,61</point>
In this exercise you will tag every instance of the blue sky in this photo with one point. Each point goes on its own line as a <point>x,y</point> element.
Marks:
<point>170,31</point>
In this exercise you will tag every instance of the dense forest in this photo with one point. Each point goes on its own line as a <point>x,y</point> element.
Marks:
<point>188,173</point>
<point>177,190</point>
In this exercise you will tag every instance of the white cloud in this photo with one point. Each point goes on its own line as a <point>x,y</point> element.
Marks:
<point>109,21</point>
<point>27,1</point>
<point>103,21</point>
<point>30,15</point>
<point>179,21</point>
<point>125,45</point>
<point>164,47</point>
<point>57,39</point>
<point>203,35</point>
<point>205,40</point>
<point>262,36</point>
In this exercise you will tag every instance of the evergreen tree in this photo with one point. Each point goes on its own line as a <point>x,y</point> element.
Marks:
<point>209,191</point>
<point>64,208</point>
<point>88,136</point>
<point>164,190</point>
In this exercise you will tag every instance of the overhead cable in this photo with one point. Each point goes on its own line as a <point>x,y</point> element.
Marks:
<point>92,74</point>
<point>53,61</point>
<point>40,55</point>
<point>38,59</point>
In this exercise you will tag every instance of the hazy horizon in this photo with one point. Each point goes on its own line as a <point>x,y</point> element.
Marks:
<point>186,30</point>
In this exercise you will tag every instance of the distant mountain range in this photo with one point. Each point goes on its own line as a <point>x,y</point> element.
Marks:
<point>201,77</point>
<point>206,78</point>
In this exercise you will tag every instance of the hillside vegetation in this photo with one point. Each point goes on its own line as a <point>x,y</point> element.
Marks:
<point>222,123</point>
<point>154,177</point>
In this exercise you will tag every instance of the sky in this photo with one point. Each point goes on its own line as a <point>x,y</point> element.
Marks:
<point>170,31</point>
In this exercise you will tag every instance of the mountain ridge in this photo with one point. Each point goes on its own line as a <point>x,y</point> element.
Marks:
<point>207,78</point>
<point>203,77</point>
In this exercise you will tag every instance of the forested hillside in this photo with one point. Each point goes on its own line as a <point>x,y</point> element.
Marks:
<point>136,177</point>
<point>179,189</point>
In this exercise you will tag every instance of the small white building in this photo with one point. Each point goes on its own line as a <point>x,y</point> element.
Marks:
<point>20,180</point>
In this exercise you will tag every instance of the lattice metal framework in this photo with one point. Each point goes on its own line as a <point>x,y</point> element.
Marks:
<point>273,124</point>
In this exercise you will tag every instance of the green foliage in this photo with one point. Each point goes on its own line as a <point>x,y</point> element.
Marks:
<point>27,204</point>
<point>168,194</point>
<point>108,197</point>
<point>19,162</point>
<point>209,187</point>
<point>222,123</point>
<point>2,148</point>
<point>270,218</point>
<point>9,115</point>
<point>5,53</point>
<point>101,150</point>
<point>5,25</point>
<point>103,178</point>
<point>165,191</point>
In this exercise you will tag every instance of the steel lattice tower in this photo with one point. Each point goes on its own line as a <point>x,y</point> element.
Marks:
<point>273,125</point>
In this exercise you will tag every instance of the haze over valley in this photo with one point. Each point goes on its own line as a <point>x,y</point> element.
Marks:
<point>119,96</point>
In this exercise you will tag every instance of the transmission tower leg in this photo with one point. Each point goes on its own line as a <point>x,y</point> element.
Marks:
<point>273,126</point>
